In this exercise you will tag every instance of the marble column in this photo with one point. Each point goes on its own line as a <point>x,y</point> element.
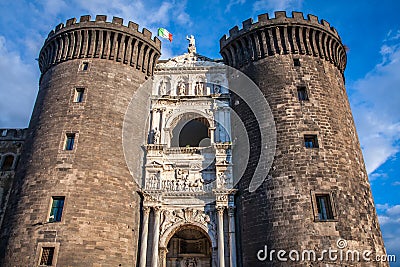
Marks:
<point>154,121</point>
<point>214,256</point>
<point>212,133</point>
<point>162,132</point>
<point>222,137</point>
<point>232,236</point>
<point>227,124</point>
<point>221,244</point>
<point>164,252</point>
<point>156,236</point>
<point>145,231</point>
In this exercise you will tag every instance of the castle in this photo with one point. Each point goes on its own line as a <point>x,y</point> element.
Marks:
<point>134,161</point>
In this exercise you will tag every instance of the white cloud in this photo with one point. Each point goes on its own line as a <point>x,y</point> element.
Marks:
<point>383,220</point>
<point>272,5</point>
<point>394,211</point>
<point>232,3</point>
<point>389,220</point>
<point>54,7</point>
<point>145,14</point>
<point>19,86</point>
<point>382,206</point>
<point>375,103</point>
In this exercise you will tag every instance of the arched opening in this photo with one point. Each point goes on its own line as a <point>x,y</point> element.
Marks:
<point>189,247</point>
<point>8,163</point>
<point>191,131</point>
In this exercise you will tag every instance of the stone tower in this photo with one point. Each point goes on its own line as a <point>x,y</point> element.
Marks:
<point>74,199</point>
<point>317,190</point>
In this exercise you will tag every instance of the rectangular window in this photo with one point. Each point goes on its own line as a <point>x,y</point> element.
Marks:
<point>78,98</point>
<point>8,163</point>
<point>311,141</point>
<point>46,258</point>
<point>85,66</point>
<point>4,132</point>
<point>324,207</point>
<point>296,62</point>
<point>69,141</point>
<point>57,206</point>
<point>302,93</point>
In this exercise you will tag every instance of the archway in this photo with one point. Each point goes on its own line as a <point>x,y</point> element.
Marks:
<point>191,130</point>
<point>189,247</point>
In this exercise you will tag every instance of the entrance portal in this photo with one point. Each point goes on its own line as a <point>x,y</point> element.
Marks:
<point>189,247</point>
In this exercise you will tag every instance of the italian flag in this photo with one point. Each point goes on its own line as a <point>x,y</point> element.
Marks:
<point>165,34</point>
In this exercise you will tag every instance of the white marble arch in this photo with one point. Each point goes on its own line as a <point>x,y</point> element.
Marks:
<point>169,233</point>
<point>173,119</point>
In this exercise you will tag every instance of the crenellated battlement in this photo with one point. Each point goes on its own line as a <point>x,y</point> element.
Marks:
<point>283,35</point>
<point>101,39</point>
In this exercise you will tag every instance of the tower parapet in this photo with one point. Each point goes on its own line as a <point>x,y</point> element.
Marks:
<point>100,39</point>
<point>283,35</point>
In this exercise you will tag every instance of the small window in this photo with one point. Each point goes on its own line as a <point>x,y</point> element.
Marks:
<point>296,62</point>
<point>78,98</point>
<point>311,141</point>
<point>302,93</point>
<point>69,141</point>
<point>46,259</point>
<point>8,163</point>
<point>85,66</point>
<point>324,207</point>
<point>4,132</point>
<point>57,206</point>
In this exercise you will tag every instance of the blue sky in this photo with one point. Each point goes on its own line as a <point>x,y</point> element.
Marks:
<point>370,30</point>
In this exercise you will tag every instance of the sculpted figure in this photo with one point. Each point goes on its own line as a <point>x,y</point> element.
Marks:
<point>181,88</point>
<point>156,136</point>
<point>192,44</point>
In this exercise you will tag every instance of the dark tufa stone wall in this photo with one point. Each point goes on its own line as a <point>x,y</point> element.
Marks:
<point>281,213</point>
<point>100,222</point>
<point>11,143</point>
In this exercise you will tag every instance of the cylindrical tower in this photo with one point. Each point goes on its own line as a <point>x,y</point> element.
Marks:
<point>74,202</point>
<point>317,190</point>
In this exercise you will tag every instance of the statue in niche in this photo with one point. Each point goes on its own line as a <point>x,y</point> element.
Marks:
<point>221,180</point>
<point>199,87</point>
<point>163,88</point>
<point>156,136</point>
<point>192,44</point>
<point>153,181</point>
<point>181,88</point>
<point>217,89</point>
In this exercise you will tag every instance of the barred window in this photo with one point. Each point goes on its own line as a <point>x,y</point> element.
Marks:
<point>46,258</point>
